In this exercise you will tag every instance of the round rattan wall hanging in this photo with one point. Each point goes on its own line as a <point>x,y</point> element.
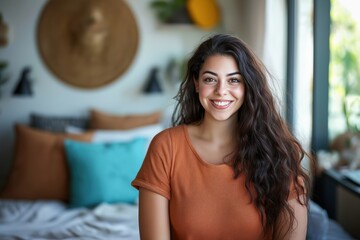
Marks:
<point>87,43</point>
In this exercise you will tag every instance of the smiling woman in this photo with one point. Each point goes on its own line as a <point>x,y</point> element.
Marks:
<point>213,175</point>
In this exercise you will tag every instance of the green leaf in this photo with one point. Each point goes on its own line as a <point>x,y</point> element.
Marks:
<point>159,4</point>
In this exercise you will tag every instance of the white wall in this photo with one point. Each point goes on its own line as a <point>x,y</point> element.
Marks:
<point>158,43</point>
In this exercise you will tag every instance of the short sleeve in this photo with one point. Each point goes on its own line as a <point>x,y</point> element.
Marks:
<point>155,172</point>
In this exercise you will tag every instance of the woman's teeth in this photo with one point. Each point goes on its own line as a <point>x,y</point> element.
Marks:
<point>221,103</point>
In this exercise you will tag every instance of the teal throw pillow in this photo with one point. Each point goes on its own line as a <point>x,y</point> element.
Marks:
<point>102,172</point>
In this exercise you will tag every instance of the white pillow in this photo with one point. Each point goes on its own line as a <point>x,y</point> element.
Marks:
<point>147,132</point>
<point>73,129</point>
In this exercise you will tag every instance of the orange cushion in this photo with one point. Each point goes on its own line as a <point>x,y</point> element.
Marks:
<point>39,169</point>
<point>101,120</point>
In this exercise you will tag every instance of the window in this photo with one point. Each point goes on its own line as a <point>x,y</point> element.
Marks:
<point>344,68</point>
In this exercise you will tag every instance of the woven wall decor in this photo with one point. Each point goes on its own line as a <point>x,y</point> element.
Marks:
<point>87,43</point>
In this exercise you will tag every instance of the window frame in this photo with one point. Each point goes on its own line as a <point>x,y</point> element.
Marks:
<point>320,112</point>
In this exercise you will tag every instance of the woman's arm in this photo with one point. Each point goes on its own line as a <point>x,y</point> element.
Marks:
<point>298,231</point>
<point>154,220</point>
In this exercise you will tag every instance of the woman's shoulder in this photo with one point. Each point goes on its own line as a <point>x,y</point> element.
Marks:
<point>168,140</point>
<point>171,132</point>
<point>170,135</point>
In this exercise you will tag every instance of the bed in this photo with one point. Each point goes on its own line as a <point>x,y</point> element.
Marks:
<point>70,179</point>
<point>70,176</point>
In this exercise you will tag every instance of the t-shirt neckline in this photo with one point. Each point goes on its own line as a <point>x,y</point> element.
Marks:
<point>202,161</point>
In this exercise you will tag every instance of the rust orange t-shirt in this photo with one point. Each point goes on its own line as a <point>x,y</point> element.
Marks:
<point>205,200</point>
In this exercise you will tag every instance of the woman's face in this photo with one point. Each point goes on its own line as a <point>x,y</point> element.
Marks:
<point>221,88</point>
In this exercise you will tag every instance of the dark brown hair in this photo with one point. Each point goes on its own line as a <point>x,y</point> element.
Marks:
<point>267,153</point>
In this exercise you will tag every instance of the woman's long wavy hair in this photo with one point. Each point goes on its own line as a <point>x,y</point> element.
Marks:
<point>267,153</point>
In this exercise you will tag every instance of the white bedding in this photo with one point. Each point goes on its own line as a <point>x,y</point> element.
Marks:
<point>53,220</point>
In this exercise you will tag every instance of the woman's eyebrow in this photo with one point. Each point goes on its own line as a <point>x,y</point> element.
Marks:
<point>234,73</point>
<point>215,74</point>
<point>209,72</point>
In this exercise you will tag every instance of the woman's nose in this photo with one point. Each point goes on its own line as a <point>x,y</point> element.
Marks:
<point>221,88</point>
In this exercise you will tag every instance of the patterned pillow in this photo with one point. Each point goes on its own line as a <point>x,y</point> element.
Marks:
<point>56,124</point>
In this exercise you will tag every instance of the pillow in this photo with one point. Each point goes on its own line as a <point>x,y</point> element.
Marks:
<point>147,132</point>
<point>102,172</point>
<point>39,169</point>
<point>56,123</point>
<point>100,120</point>
<point>74,129</point>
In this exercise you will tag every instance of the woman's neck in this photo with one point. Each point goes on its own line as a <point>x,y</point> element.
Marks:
<point>216,131</point>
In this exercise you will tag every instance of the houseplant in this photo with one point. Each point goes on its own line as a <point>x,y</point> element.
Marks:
<point>171,11</point>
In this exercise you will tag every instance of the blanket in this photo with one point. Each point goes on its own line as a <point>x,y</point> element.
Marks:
<point>54,220</point>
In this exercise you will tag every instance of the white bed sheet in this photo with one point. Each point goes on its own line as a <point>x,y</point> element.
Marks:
<point>53,220</point>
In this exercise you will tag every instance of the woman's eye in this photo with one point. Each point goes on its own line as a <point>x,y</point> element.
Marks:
<point>209,80</point>
<point>234,80</point>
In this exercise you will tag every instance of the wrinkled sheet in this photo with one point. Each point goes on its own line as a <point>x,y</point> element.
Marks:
<point>53,220</point>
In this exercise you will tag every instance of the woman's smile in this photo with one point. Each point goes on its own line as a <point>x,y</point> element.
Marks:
<point>221,104</point>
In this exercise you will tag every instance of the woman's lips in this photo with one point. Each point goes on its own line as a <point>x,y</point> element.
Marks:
<point>221,104</point>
